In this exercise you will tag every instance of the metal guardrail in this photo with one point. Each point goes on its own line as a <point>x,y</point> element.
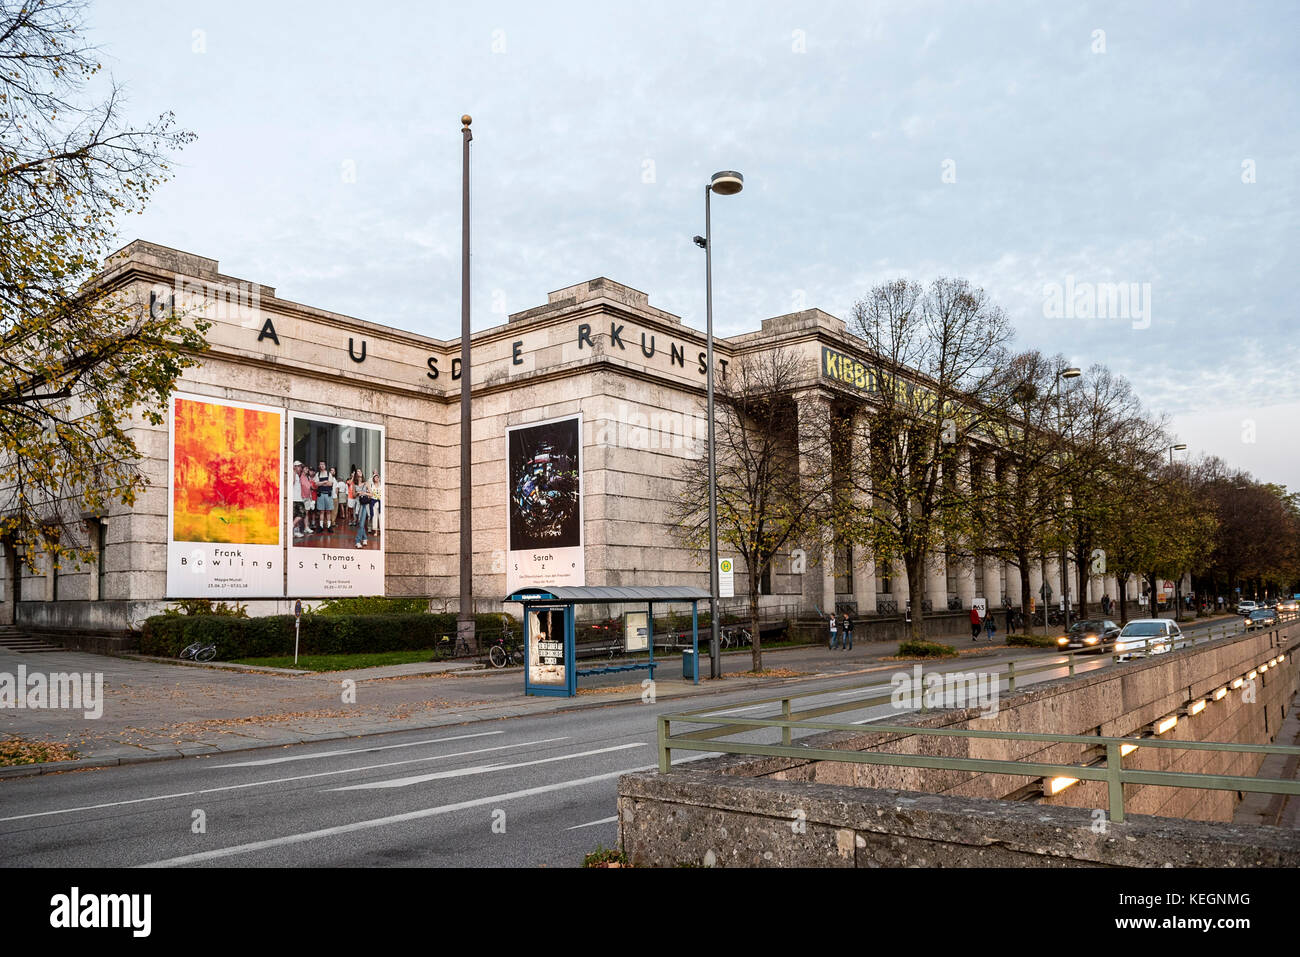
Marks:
<point>1108,767</point>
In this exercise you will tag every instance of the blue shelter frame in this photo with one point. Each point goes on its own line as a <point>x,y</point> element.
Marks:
<point>564,599</point>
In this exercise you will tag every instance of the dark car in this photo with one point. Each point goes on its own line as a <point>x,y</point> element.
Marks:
<point>1261,618</point>
<point>1091,634</point>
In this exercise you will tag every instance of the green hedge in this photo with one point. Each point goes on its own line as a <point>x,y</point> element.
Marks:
<point>272,636</point>
<point>1032,641</point>
<point>925,649</point>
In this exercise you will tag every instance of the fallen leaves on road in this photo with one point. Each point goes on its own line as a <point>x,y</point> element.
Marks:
<point>767,673</point>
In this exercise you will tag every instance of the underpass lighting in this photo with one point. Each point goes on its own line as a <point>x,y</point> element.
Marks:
<point>1059,784</point>
<point>1238,682</point>
<point>1221,694</point>
<point>1127,749</point>
<point>1263,667</point>
<point>1164,724</point>
<point>1197,707</point>
<point>1251,674</point>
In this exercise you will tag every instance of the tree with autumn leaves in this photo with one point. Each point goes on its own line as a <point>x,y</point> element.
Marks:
<point>80,362</point>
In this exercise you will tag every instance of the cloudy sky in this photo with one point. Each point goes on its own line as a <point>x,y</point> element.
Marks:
<point>1028,147</point>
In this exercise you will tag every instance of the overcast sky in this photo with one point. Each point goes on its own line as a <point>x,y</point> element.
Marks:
<point>1021,146</point>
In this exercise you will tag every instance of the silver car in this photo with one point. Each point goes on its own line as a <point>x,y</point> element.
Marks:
<point>1147,636</point>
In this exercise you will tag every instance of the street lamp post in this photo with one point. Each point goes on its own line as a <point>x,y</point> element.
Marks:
<point>1177,596</point>
<point>724,183</point>
<point>1070,372</point>
<point>465,619</point>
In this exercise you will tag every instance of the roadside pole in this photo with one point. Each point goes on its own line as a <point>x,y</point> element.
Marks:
<point>297,623</point>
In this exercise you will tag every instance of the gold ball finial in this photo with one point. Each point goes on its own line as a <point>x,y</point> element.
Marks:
<point>465,120</point>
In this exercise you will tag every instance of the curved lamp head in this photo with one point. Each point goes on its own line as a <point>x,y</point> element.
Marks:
<point>727,182</point>
<point>1180,447</point>
<point>1071,373</point>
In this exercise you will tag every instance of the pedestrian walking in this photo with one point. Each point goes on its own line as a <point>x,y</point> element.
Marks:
<point>835,639</point>
<point>990,627</point>
<point>848,633</point>
<point>976,623</point>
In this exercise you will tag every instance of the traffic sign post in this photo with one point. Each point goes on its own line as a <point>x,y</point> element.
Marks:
<point>726,578</point>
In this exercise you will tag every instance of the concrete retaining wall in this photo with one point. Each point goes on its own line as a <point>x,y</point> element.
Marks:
<point>661,812</point>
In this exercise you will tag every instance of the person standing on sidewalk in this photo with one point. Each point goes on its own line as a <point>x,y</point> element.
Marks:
<point>848,632</point>
<point>834,635</point>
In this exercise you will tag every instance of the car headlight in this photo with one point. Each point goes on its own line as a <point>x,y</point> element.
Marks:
<point>1063,640</point>
<point>1090,640</point>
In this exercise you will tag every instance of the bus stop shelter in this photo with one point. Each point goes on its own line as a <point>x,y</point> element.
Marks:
<point>550,647</point>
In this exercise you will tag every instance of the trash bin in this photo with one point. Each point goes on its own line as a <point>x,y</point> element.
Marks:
<point>688,665</point>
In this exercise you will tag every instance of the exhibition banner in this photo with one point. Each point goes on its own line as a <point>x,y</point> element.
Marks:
<point>224,503</point>
<point>544,533</point>
<point>337,501</point>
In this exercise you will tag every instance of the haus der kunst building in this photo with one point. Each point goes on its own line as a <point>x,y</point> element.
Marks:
<point>585,410</point>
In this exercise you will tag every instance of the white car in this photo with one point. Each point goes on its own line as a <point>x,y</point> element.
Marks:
<point>1146,636</point>
<point>1246,607</point>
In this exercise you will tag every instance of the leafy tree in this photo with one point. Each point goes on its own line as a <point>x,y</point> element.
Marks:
<point>81,362</point>
<point>772,466</point>
<point>936,374</point>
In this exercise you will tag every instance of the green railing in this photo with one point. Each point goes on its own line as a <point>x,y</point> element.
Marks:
<point>1106,766</point>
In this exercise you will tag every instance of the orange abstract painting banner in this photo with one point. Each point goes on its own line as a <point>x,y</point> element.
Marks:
<point>226,474</point>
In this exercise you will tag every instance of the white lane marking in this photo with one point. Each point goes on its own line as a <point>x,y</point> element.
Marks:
<point>481,769</point>
<point>254,784</point>
<point>738,710</point>
<point>335,754</point>
<point>401,818</point>
<point>880,718</point>
<point>603,820</point>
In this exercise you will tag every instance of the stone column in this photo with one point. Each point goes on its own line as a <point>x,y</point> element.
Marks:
<point>819,576</point>
<point>936,580</point>
<point>1035,582</point>
<point>899,582</point>
<point>864,561</point>
<point>965,563</point>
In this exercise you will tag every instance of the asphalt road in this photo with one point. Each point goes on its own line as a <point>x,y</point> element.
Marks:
<point>535,790</point>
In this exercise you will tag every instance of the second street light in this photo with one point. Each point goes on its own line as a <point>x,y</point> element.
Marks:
<point>725,183</point>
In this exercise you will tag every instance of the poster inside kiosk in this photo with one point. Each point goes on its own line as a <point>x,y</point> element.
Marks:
<point>549,639</point>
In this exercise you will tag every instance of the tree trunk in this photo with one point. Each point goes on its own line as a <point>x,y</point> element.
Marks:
<point>1081,576</point>
<point>1121,579</point>
<point>916,591</point>
<point>755,640</point>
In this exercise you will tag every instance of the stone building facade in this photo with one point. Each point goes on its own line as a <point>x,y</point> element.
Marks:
<point>635,374</point>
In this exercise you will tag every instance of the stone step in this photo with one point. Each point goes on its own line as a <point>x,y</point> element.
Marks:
<point>25,644</point>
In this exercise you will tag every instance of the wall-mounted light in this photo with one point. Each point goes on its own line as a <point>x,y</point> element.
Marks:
<point>1164,724</point>
<point>1126,749</point>
<point>1196,707</point>
<point>1251,675</point>
<point>1238,682</point>
<point>1058,784</point>
<point>1220,694</point>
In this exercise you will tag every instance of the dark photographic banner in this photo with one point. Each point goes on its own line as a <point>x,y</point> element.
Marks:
<point>544,511</point>
<point>337,503</point>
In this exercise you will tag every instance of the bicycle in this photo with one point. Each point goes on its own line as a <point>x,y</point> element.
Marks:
<point>501,654</point>
<point>459,649</point>
<point>199,652</point>
<point>737,636</point>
